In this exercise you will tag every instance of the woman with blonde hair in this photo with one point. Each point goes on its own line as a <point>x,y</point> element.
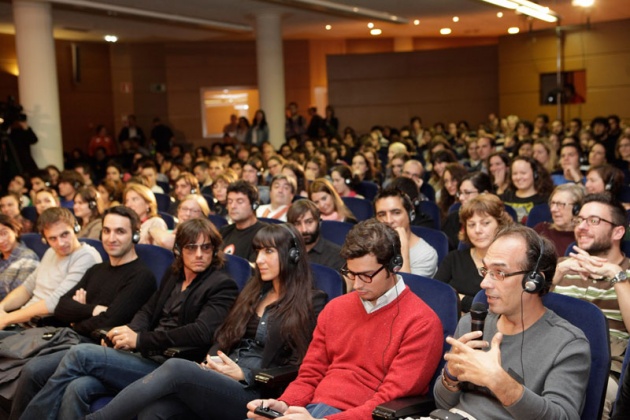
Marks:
<point>88,210</point>
<point>192,206</point>
<point>329,203</point>
<point>545,154</point>
<point>481,218</point>
<point>141,199</point>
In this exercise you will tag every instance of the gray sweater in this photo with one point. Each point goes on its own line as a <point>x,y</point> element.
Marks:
<point>556,358</point>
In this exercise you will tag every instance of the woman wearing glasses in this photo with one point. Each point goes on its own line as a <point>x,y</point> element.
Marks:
<point>191,207</point>
<point>270,325</point>
<point>482,217</point>
<point>561,203</point>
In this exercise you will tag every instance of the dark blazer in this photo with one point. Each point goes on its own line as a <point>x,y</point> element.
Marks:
<point>208,301</point>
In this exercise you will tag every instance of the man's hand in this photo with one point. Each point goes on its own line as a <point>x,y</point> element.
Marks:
<point>471,340</point>
<point>596,267</point>
<point>80,296</point>
<point>98,309</point>
<point>123,337</point>
<point>484,368</point>
<point>228,368</point>
<point>572,174</point>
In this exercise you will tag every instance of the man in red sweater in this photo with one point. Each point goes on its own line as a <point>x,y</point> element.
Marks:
<point>378,343</point>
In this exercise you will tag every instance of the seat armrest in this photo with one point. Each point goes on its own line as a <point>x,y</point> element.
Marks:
<point>277,377</point>
<point>188,353</point>
<point>405,407</point>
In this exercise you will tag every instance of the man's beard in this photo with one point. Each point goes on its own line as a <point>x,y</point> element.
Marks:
<point>311,237</point>
<point>599,247</point>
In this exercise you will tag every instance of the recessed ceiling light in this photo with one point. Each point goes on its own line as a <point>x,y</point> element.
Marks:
<point>416,22</point>
<point>583,3</point>
<point>328,27</point>
<point>500,14</point>
<point>513,30</point>
<point>111,38</point>
<point>370,25</point>
<point>455,18</point>
<point>445,31</point>
<point>376,31</point>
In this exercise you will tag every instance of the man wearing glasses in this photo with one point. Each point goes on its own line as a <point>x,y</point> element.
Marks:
<point>185,311</point>
<point>370,346</point>
<point>596,271</point>
<point>530,353</point>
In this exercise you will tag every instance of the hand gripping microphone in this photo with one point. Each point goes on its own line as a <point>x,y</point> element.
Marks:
<point>478,313</point>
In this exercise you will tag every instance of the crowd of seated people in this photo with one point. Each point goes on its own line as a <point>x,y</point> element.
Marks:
<point>479,181</point>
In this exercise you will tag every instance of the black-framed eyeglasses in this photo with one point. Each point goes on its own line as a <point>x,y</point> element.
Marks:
<point>590,220</point>
<point>498,275</point>
<point>364,277</point>
<point>192,248</point>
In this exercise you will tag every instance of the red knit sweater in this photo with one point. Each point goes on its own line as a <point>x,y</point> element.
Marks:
<point>352,363</point>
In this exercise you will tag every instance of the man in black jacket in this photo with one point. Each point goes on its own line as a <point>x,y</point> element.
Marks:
<point>185,311</point>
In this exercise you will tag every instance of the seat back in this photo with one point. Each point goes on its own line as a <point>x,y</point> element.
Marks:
<point>454,207</point>
<point>239,269</point>
<point>367,189</point>
<point>360,207</point>
<point>169,219</point>
<point>218,221</point>
<point>34,242</point>
<point>163,201</point>
<point>510,210</point>
<point>98,245</point>
<point>437,239</point>
<point>328,280</point>
<point>430,208</point>
<point>165,186</point>
<point>270,220</point>
<point>158,259</point>
<point>624,368</point>
<point>335,231</point>
<point>591,320</point>
<point>444,301</point>
<point>538,214</point>
<point>30,213</point>
<point>428,191</point>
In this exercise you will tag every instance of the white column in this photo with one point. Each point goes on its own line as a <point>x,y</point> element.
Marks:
<point>37,80</point>
<point>270,64</point>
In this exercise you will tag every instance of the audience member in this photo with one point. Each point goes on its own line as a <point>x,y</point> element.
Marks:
<point>69,183</point>
<point>10,207</point>
<point>18,261</point>
<point>499,169</point>
<point>530,184</point>
<point>87,209</point>
<point>281,194</point>
<point>141,199</point>
<point>330,205</point>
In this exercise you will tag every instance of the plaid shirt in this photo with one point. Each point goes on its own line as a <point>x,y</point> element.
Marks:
<point>15,269</point>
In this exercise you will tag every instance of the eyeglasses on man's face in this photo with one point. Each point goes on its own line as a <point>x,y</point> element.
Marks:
<point>590,220</point>
<point>364,277</point>
<point>498,275</point>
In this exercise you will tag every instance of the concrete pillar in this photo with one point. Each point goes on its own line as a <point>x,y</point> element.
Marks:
<point>37,80</point>
<point>270,64</point>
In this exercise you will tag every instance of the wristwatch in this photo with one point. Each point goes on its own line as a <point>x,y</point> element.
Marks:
<point>621,276</point>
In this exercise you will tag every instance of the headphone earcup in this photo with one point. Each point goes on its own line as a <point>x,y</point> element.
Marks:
<point>395,264</point>
<point>193,191</point>
<point>576,209</point>
<point>44,241</point>
<point>535,175</point>
<point>294,254</point>
<point>176,251</point>
<point>348,181</point>
<point>92,204</point>
<point>412,216</point>
<point>135,238</point>
<point>77,227</point>
<point>533,282</point>
<point>255,206</point>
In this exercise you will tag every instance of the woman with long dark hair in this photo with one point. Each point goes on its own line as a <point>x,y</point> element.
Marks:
<point>88,210</point>
<point>259,131</point>
<point>270,325</point>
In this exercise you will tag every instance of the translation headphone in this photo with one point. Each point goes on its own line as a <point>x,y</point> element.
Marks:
<point>92,204</point>
<point>609,183</point>
<point>396,262</point>
<point>176,250</point>
<point>193,190</point>
<point>575,210</point>
<point>534,281</point>
<point>255,205</point>
<point>294,251</point>
<point>76,185</point>
<point>348,181</point>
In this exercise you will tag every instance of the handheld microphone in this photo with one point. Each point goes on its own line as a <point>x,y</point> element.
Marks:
<point>478,313</point>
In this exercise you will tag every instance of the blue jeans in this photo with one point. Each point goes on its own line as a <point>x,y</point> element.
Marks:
<point>177,388</point>
<point>86,372</point>
<point>320,410</point>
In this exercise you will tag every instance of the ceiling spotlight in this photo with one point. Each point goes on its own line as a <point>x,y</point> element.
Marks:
<point>328,27</point>
<point>513,30</point>
<point>370,25</point>
<point>376,31</point>
<point>455,18</point>
<point>111,38</point>
<point>583,3</point>
<point>416,22</point>
<point>445,31</point>
<point>500,14</point>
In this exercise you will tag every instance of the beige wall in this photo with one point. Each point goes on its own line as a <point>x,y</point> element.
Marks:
<point>390,88</point>
<point>603,51</point>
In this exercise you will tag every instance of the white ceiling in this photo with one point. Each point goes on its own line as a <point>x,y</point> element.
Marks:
<point>476,19</point>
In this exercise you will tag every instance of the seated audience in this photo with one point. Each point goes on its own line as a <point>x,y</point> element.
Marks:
<point>218,205</point>
<point>141,199</point>
<point>110,193</point>
<point>570,155</point>
<point>499,169</point>
<point>530,184</point>
<point>88,211</point>
<point>10,207</point>
<point>191,207</point>
<point>330,205</point>
<point>605,178</point>
<point>185,184</point>
<point>342,381</point>
<point>343,181</point>
<point>452,177</point>
<point>281,192</point>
